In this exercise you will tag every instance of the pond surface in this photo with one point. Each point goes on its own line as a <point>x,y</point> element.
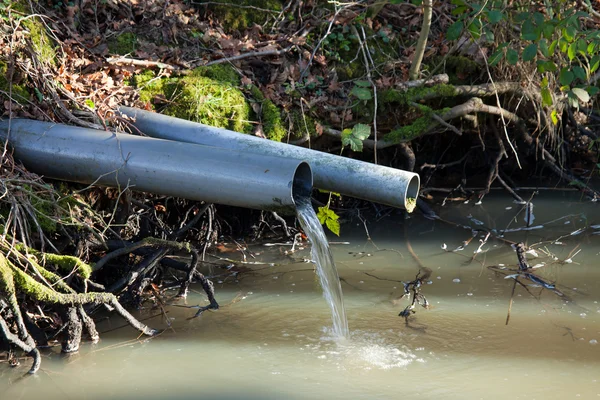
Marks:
<point>272,337</point>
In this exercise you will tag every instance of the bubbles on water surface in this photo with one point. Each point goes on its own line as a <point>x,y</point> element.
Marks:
<point>365,350</point>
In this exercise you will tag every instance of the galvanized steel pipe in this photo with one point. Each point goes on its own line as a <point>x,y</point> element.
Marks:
<point>159,166</point>
<point>330,172</point>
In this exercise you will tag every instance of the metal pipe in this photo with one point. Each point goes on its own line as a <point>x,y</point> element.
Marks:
<point>160,166</point>
<point>355,178</point>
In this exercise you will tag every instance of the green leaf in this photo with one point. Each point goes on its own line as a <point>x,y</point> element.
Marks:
<point>354,138</point>
<point>579,73</point>
<point>538,18</point>
<point>566,77</point>
<point>38,94</point>
<point>572,51</point>
<point>594,63</point>
<point>544,48</point>
<point>362,93</point>
<point>570,33</point>
<point>90,103</point>
<point>512,56</point>
<point>362,83</point>
<point>333,225</point>
<point>475,28</point>
<point>528,31</point>
<point>329,218</point>
<point>546,97</point>
<point>496,57</point>
<point>459,10</point>
<point>548,30</point>
<point>554,117</point>
<point>530,52</point>
<point>495,16</point>
<point>590,48</point>
<point>455,30</point>
<point>593,90</point>
<point>581,94</point>
<point>563,45</point>
<point>552,47</point>
<point>582,46</point>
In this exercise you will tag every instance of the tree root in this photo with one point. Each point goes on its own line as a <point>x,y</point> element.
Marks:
<point>27,348</point>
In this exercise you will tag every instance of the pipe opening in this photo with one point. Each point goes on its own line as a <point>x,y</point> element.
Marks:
<point>302,184</point>
<point>411,194</point>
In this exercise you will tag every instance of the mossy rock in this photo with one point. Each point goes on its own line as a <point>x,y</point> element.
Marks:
<point>199,98</point>
<point>239,18</point>
<point>19,92</point>
<point>124,43</point>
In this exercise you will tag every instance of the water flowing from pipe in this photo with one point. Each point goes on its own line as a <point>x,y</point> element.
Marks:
<point>328,275</point>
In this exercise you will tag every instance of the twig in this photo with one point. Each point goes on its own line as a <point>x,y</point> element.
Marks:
<point>246,55</point>
<point>140,63</point>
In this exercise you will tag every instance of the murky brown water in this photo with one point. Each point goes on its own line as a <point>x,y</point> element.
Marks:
<point>272,337</point>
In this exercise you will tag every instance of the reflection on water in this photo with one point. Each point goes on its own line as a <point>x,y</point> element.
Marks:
<point>273,339</point>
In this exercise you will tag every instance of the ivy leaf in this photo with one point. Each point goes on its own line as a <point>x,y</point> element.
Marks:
<point>581,94</point>
<point>512,56</point>
<point>355,137</point>
<point>546,97</point>
<point>579,73</point>
<point>530,52</point>
<point>455,30</point>
<point>566,77</point>
<point>495,16</point>
<point>329,218</point>
<point>362,93</point>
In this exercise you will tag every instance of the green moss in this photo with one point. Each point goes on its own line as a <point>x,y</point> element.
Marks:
<point>210,102</point>
<point>19,92</point>
<point>232,18</point>
<point>224,73</point>
<point>42,293</point>
<point>199,98</point>
<point>270,117</point>
<point>302,123</point>
<point>45,210</point>
<point>123,44</point>
<point>410,132</point>
<point>42,44</point>
<point>418,127</point>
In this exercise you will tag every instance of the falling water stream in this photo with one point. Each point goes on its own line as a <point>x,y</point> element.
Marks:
<point>328,275</point>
